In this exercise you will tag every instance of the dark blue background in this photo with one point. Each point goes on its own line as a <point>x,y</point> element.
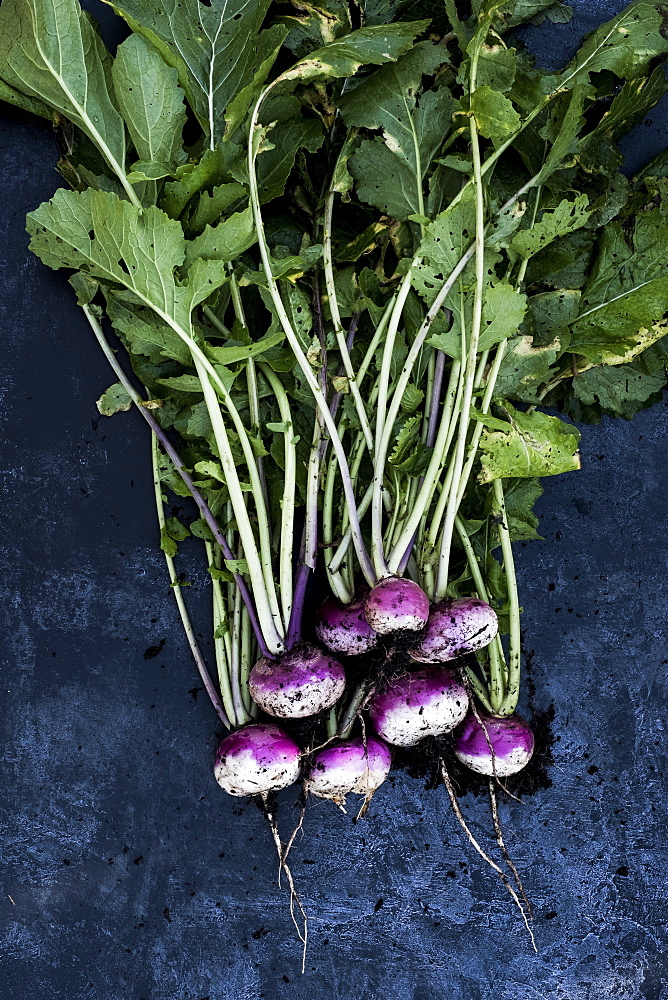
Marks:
<point>132,877</point>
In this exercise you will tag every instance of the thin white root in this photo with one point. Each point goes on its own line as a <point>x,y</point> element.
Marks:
<point>490,861</point>
<point>504,850</point>
<point>295,901</point>
<point>369,796</point>
<point>365,805</point>
<point>300,824</point>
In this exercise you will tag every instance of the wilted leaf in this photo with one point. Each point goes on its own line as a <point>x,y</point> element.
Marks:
<point>115,399</point>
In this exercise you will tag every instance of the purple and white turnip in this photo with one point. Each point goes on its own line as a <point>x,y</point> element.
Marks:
<point>427,702</point>
<point>257,759</point>
<point>358,766</point>
<point>300,683</point>
<point>396,605</point>
<point>495,747</point>
<point>343,628</point>
<point>455,628</point>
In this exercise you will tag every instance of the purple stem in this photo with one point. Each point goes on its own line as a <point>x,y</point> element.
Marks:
<point>439,371</point>
<point>437,386</point>
<point>295,627</point>
<point>305,569</point>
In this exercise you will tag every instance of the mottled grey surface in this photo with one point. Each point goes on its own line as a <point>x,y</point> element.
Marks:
<point>127,874</point>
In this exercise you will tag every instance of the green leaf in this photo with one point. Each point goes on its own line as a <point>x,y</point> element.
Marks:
<point>217,49</point>
<point>504,224</point>
<point>342,181</point>
<point>32,104</point>
<point>367,46</point>
<point>626,45</point>
<point>274,165</point>
<point>239,566</point>
<point>410,455</point>
<point>212,469</point>
<point>445,242</point>
<point>413,127</point>
<point>565,121</point>
<point>624,302</point>
<point>226,241</point>
<point>364,243</point>
<point>148,170</point>
<point>211,206</point>
<point>550,314</point>
<point>313,25</point>
<point>503,311</point>
<point>411,398</point>
<point>200,529</point>
<point>115,399</point>
<point>150,101</point>
<point>183,383</point>
<point>50,50</point>
<point>110,239</point>
<point>494,114</point>
<point>564,264</point>
<point>532,444</point>
<point>85,288</point>
<point>612,387</point>
<point>228,355</point>
<point>497,66</point>
<point>176,529</point>
<point>212,168</point>
<point>525,369</point>
<point>566,217</point>
<point>144,332</point>
<point>167,543</point>
<point>520,496</point>
<point>171,534</point>
<point>630,106</point>
<point>268,46</point>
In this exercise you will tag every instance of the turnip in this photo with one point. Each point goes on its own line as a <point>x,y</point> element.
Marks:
<point>396,605</point>
<point>359,766</point>
<point>257,759</point>
<point>454,628</point>
<point>303,682</point>
<point>428,702</point>
<point>495,747</point>
<point>343,628</point>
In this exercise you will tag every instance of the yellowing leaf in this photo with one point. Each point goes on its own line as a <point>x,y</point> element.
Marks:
<point>532,444</point>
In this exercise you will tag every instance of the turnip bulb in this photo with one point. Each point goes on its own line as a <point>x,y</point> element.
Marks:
<point>428,702</point>
<point>455,628</point>
<point>511,739</point>
<point>300,683</point>
<point>396,605</point>
<point>342,628</point>
<point>357,766</point>
<point>259,758</point>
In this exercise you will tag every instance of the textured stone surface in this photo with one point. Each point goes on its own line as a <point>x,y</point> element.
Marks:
<point>128,875</point>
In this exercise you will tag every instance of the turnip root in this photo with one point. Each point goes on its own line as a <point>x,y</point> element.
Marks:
<point>357,766</point>
<point>257,759</point>
<point>455,628</point>
<point>428,702</point>
<point>497,746</point>
<point>343,628</point>
<point>396,605</point>
<point>300,683</point>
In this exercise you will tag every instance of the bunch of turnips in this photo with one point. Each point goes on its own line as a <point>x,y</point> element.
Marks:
<point>340,262</point>
<point>403,708</point>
